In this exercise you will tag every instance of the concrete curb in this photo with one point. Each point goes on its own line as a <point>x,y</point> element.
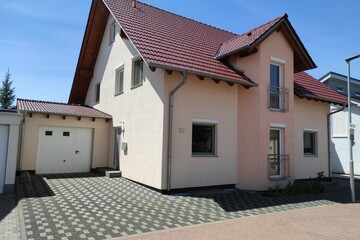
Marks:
<point>21,221</point>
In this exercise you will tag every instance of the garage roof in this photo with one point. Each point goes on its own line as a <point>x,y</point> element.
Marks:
<point>35,106</point>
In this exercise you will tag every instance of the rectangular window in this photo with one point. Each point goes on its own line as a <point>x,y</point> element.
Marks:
<point>119,80</point>
<point>357,94</point>
<point>340,89</point>
<point>112,32</point>
<point>203,139</point>
<point>48,133</point>
<point>97,93</point>
<point>310,144</point>
<point>138,73</point>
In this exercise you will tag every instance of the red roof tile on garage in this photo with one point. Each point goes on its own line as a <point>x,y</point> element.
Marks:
<point>34,106</point>
<point>168,40</point>
<point>305,86</point>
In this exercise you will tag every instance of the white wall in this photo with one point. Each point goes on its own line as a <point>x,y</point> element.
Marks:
<point>339,146</point>
<point>139,111</point>
<point>12,120</point>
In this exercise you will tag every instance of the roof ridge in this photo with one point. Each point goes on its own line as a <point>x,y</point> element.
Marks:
<point>49,102</point>
<point>187,18</point>
<point>247,32</point>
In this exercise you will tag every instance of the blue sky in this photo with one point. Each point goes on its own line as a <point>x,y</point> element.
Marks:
<point>40,40</point>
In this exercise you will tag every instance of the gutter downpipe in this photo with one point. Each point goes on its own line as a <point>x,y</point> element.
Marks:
<point>170,126</point>
<point>329,137</point>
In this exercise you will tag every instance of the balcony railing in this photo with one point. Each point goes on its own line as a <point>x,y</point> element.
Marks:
<point>278,99</point>
<point>278,166</point>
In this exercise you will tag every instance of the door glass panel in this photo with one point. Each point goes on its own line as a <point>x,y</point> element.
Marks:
<point>275,152</point>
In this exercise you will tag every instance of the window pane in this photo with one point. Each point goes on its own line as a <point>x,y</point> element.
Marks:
<point>97,93</point>
<point>138,72</point>
<point>274,76</point>
<point>203,139</point>
<point>309,143</point>
<point>119,81</point>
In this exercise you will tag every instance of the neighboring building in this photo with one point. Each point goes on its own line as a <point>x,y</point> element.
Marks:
<point>226,98</point>
<point>9,134</point>
<point>339,147</point>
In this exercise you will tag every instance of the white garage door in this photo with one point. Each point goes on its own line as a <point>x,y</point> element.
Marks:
<point>64,150</point>
<point>4,137</point>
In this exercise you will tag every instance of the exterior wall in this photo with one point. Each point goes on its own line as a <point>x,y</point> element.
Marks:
<point>341,81</point>
<point>339,147</point>
<point>311,115</point>
<point>100,157</point>
<point>254,117</point>
<point>202,100</point>
<point>12,119</point>
<point>139,111</point>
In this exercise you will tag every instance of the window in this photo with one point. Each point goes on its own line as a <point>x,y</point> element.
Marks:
<point>203,139</point>
<point>48,133</point>
<point>112,32</point>
<point>278,96</point>
<point>138,73</point>
<point>357,93</point>
<point>340,89</point>
<point>97,93</point>
<point>119,80</point>
<point>310,139</point>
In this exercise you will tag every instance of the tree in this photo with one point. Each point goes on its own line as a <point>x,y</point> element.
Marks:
<point>7,93</point>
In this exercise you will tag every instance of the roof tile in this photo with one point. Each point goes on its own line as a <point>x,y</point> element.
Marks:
<point>307,86</point>
<point>59,109</point>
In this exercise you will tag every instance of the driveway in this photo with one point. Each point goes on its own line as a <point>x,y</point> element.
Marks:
<point>89,206</point>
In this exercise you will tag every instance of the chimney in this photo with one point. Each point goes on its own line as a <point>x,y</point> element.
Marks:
<point>133,3</point>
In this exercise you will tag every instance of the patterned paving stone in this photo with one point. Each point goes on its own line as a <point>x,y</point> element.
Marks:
<point>9,218</point>
<point>88,206</point>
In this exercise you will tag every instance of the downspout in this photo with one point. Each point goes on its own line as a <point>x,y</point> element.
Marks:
<point>329,136</point>
<point>171,110</point>
<point>21,141</point>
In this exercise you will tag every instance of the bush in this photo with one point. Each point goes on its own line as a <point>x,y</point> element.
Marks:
<point>297,188</point>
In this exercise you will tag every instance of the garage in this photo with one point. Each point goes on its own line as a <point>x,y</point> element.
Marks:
<point>64,150</point>
<point>4,136</point>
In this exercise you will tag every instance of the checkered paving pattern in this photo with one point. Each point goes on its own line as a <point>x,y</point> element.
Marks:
<point>94,207</point>
<point>9,219</point>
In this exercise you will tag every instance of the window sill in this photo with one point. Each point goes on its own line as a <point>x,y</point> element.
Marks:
<point>119,93</point>
<point>204,155</point>
<point>310,156</point>
<point>136,86</point>
<point>277,110</point>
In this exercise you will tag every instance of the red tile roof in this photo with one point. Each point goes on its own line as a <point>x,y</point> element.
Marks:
<point>246,39</point>
<point>34,106</point>
<point>308,87</point>
<point>168,40</point>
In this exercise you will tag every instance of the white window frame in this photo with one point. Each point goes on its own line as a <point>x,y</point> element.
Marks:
<point>281,128</point>
<point>340,89</point>
<point>206,122</point>
<point>112,32</point>
<point>357,93</point>
<point>119,83</point>
<point>134,60</point>
<point>279,63</point>
<point>97,92</point>
<point>315,132</point>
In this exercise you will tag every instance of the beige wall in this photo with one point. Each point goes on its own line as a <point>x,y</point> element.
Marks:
<point>204,100</point>
<point>311,115</point>
<point>139,111</point>
<point>254,117</point>
<point>100,156</point>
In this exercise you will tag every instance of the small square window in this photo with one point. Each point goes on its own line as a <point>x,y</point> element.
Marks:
<point>310,143</point>
<point>340,89</point>
<point>138,73</point>
<point>48,133</point>
<point>112,32</point>
<point>357,93</point>
<point>203,139</point>
<point>66,134</point>
<point>97,93</point>
<point>119,81</point>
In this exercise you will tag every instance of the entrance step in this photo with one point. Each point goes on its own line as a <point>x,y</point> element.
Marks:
<point>108,172</point>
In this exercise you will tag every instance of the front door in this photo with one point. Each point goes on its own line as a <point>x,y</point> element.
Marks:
<point>117,148</point>
<point>275,152</point>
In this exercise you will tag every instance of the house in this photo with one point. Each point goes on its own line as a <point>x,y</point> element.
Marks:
<point>339,147</point>
<point>174,103</point>
<point>9,133</point>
